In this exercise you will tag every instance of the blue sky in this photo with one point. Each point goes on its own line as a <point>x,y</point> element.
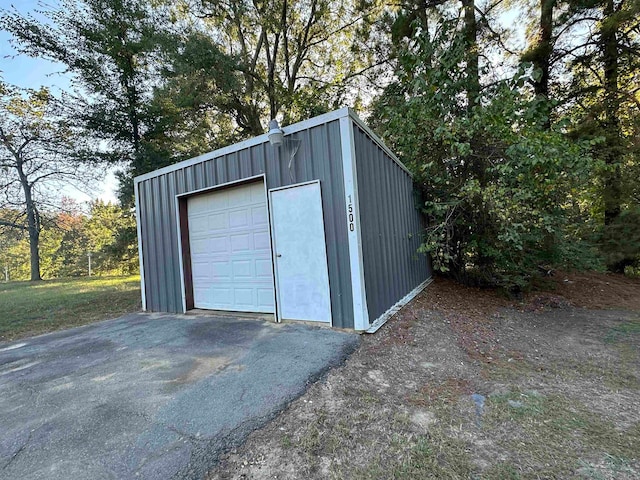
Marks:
<point>27,72</point>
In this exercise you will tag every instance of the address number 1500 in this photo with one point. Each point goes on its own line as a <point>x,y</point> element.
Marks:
<point>350,216</point>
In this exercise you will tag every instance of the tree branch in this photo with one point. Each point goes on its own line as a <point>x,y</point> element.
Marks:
<point>13,225</point>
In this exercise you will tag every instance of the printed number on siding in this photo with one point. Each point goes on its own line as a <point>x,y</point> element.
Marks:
<point>350,216</point>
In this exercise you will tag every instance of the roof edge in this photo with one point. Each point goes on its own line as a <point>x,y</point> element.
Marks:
<point>251,142</point>
<point>289,129</point>
<point>360,123</point>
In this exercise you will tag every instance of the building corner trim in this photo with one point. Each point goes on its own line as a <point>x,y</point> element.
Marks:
<point>380,321</point>
<point>360,311</point>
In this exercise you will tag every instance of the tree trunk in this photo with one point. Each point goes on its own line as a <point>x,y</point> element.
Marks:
<point>542,60</point>
<point>476,159</point>
<point>539,54</point>
<point>612,147</point>
<point>471,44</point>
<point>540,57</point>
<point>33,226</point>
<point>34,245</point>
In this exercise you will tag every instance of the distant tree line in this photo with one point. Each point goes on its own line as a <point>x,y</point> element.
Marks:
<point>519,120</point>
<point>68,238</point>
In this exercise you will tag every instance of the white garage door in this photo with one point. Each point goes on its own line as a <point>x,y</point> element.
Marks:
<point>230,250</point>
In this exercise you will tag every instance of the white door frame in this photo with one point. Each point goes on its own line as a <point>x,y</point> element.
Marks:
<point>273,252</point>
<point>230,184</point>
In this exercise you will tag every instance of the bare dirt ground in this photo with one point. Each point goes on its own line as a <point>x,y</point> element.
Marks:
<point>463,383</point>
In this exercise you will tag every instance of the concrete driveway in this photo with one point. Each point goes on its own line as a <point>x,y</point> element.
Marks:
<point>148,395</point>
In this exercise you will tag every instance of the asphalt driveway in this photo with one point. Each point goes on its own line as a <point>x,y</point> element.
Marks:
<point>150,396</point>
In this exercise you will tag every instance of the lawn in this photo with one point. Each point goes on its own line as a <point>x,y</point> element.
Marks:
<point>465,384</point>
<point>28,308</point>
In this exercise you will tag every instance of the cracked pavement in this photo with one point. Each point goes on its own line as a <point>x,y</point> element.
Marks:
<point>151,396</point>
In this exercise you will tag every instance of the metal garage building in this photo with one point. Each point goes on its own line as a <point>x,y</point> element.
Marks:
<point>318,224</point>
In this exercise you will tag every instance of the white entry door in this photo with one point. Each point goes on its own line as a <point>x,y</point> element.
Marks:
<point>302,278</point>
<point>230,249</point>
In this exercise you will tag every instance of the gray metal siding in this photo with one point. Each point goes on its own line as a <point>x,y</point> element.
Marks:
<point>318,157</point>
<point>391,227</point>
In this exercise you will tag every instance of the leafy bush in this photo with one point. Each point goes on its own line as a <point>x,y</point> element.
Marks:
<point>500,190</point>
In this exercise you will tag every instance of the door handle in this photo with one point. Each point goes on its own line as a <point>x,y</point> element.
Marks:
<point>278,255</point>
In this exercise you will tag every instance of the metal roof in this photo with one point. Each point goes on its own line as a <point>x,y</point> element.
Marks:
<point>289,129</point>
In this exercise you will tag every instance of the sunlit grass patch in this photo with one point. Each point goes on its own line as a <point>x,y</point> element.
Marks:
<point>28,308</point>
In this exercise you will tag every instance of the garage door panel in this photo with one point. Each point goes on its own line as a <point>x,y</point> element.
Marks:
<point>217,203</point>
<point>198,205</point>
<point>219,297</point>
<point>244,297</point>
<point>265,298</point>
<point>259,216</point>
<point>200,270</point>
<point>220,271</point>
<point>243,270</point>
<point>203,297</point>
<point>261,242</point>
<point>239,218</point>
<point>231,255</point>
<point>241,197</point>
<point>218,221</point>
<point>258,196</point>
<point>199,247</point>
<point>263,268</point>
<point>198,224</point>
<point>216,245</point>
<point>241,242</point>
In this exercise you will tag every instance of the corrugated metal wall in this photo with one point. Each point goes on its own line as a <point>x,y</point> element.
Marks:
<point>318,157</point>
<point>391,227</point>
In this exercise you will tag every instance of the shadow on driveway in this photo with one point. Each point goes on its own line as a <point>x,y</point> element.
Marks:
<point>148,395</point>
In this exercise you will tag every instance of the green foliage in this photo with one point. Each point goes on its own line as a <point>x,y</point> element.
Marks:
<point>108,232</point>
<point>112,237</point>
<point>113,50</point>
<point>501,193</point>
<point>249,62</point>
<point>161,81</point>
<point>620,241</point>
<point>604,89</point>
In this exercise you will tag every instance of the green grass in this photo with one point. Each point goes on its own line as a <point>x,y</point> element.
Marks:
<point>32,308</point>
<point>555,434</point>
<point>623,331</point>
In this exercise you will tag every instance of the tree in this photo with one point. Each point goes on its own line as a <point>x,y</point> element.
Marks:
<point>69,244</point>
<point>493,180</point>
<point>112,49</point>
<point>9,240</point>
<point>540,54</point>
<point>291,59</point>
<point>606,98</point>
<point>111,235</point>
<point>40,153</point>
